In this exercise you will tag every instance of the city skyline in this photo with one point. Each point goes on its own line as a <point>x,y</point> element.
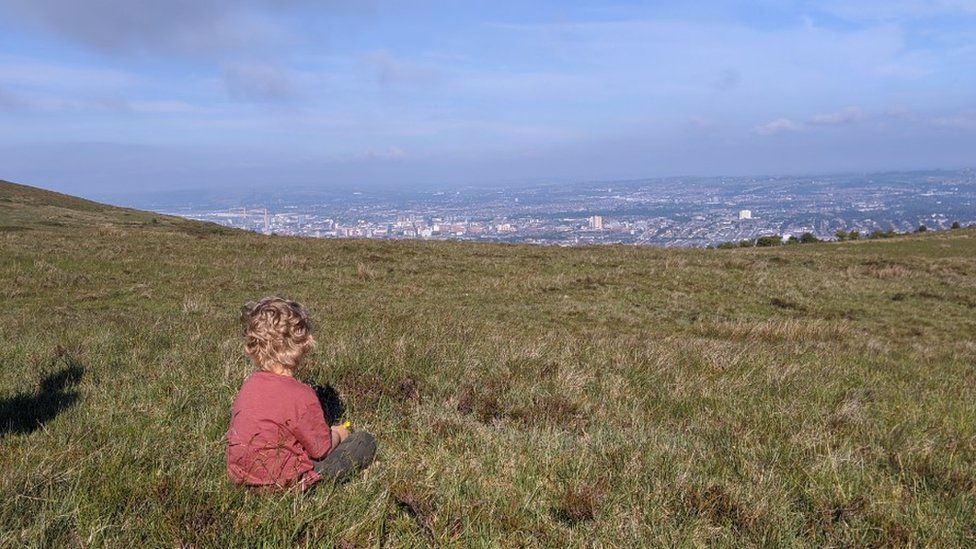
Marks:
<point>663,212</point>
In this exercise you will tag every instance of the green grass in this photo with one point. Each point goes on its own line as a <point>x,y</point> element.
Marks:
<point>803,395</point>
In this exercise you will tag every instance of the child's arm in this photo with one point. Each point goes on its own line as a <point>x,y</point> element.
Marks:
<point>339,434</point>
<point>314,433</point>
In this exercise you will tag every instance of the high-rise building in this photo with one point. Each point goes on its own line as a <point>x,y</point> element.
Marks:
<point>596,222</point>
<point>745,214</point>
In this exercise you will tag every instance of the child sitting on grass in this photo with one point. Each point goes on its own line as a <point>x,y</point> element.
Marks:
<point>278,433</point>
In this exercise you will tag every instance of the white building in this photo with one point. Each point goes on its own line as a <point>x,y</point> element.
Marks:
<point>745,214</point>
<point>596,222</point>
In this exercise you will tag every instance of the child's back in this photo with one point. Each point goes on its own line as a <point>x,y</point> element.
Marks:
<point>277,428</point>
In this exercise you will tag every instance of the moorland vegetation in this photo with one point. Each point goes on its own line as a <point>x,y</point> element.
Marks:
<point>812,395</point>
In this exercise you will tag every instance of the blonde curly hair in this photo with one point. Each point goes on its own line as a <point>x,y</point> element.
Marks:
<point>277,332</point>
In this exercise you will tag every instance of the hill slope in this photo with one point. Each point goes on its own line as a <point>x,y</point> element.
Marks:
<point>29,208</point>
<point>819,394</point>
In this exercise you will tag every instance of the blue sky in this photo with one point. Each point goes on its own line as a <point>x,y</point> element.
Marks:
<point>121,95</point>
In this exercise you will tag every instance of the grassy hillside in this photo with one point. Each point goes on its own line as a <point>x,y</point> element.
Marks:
<point>29,208</point>
<point>819,394</point>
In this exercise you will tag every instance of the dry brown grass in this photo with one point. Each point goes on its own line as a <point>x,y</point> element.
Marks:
<point>784,329</point>
<point>364,273</point>
<point>578,503</point>
<point>884,272</point>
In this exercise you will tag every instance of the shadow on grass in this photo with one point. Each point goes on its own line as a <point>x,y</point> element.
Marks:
<point>28,411</point>
<point>332,404</point>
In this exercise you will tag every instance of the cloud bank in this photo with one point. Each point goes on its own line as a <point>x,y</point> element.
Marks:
<point>839,118</point>
<point>776,127</point>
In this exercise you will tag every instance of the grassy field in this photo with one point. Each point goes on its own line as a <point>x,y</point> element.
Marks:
<point>805,395</point>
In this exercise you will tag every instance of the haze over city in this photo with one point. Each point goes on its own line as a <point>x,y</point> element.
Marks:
<point>111,97</point>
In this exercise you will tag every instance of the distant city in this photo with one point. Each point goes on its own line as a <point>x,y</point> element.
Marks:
<point>679,211</point>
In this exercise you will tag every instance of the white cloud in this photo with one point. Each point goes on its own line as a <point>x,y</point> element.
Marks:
<point>393,72</point>
<point>164,106</point>
<point>389,154</point>
<point>258,82</point>
<point>701,122</point>
<point>727,80</point>
<point>24,72</point>
<point>10,100</point>
<point>872,10</point>
<point>839,118</point>
<point>778,126</point>
<point>694,57</point>
<point>956,122</point>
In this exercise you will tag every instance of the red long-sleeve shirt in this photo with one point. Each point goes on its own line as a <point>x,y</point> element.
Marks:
<point>276,429</point>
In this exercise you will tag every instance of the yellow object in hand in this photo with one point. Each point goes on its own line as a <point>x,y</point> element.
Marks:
<point>347,425</point>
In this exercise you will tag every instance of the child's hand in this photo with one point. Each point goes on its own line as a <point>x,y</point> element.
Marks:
<point>339,432</point>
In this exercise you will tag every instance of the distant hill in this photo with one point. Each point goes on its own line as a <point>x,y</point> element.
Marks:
<point>812,395</point>
<point>29,208</point>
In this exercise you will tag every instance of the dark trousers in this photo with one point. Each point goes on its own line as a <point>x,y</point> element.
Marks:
<point>348,458</point>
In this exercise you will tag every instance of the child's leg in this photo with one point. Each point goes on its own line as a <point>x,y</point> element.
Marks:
<point>353,455</point>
